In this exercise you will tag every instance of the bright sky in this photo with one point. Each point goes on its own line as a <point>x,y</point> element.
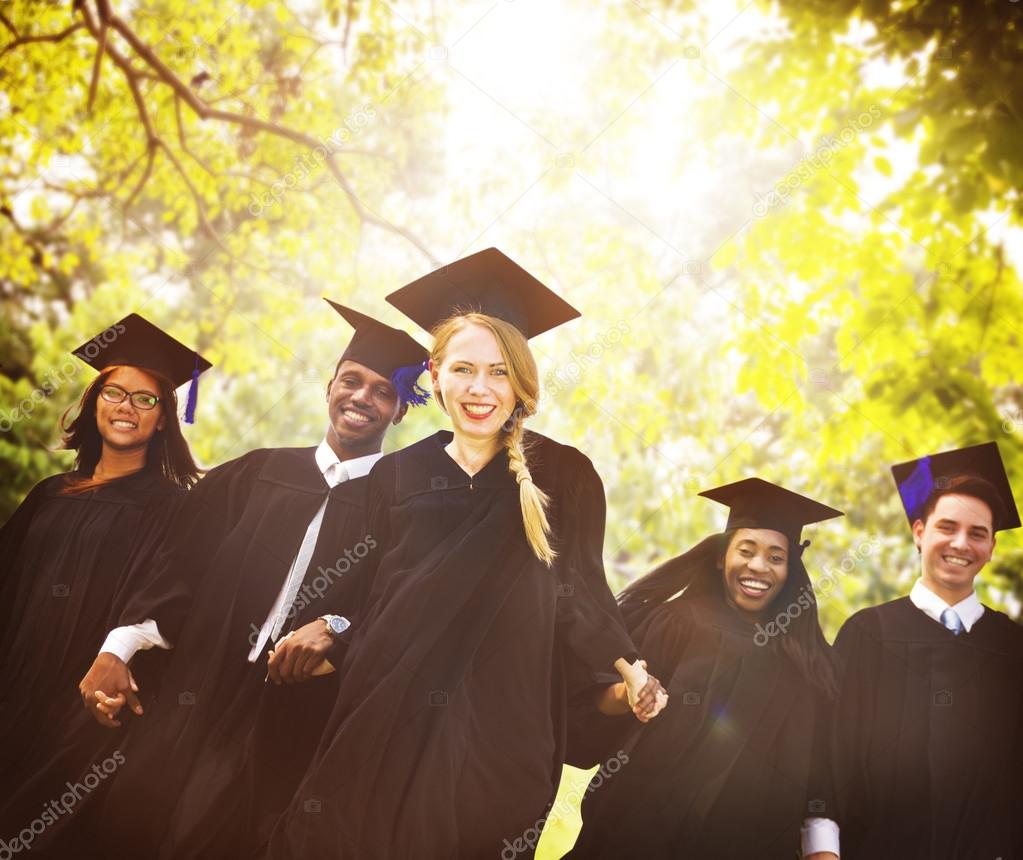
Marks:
<point>521,78</point>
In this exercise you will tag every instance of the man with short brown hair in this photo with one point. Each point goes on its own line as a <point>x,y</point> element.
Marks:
<point>925,754</point>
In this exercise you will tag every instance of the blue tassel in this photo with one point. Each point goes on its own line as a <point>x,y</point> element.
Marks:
<point>916,489</point>
<point>193,394</point>
<point>404,379</point>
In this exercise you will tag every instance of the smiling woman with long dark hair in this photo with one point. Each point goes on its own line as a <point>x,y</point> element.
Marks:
<point>730,627</point>
<point>166,451</point>
<point>68,553</point>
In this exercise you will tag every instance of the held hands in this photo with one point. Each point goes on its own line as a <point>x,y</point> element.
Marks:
<point>107,687</point>
<point>301,654</point>
<point>642,692</point>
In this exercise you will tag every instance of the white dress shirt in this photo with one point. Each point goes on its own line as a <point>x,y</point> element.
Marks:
<point>969,609</point>
<point>125,642</point>
<point>821,834</point>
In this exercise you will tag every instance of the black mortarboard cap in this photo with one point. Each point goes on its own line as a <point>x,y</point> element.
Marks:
<point>757,504</point>
<point>919,480</point>
<point>135,341</point>
<point>387,351</point>
<point>488,282</point>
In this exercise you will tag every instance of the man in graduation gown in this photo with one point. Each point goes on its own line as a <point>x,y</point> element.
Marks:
<point>925,755</point>
<point>66,569</point>
<point>267,543</point>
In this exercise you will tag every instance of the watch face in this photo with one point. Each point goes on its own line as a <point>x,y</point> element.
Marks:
<point>338,624</point>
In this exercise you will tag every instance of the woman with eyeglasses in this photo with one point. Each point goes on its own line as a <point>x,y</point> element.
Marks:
<point>68,556</point>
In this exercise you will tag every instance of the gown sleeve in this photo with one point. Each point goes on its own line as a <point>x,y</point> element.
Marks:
<point>12,531</point>
<point>588,621</point>
<point>594,736</point>
<point>12,535</point>
<point>663,638</point>
<point>836,787</point>
<point>164,579</point>
<point>159,513</point>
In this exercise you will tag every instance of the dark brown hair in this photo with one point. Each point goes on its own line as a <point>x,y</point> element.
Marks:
<point>967,485</point>
<point>167,453</point>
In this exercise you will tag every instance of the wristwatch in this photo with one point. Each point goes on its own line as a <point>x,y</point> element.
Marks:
<point>336,624</point>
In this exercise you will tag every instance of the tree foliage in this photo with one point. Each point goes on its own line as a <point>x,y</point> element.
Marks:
<point>845,306</point>
<point>213,168</point>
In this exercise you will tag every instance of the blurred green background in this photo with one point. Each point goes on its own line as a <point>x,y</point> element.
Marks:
<point>793,229</point>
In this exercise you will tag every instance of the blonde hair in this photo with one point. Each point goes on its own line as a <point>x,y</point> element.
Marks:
<point>525,383</point>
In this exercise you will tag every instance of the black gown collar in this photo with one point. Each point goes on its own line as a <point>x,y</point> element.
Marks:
<point>132,489</point>
<point>491,475</point>
<point>712,609</point>
<point>903,621</point>
<point>426,467</point>
<point>296,469</point>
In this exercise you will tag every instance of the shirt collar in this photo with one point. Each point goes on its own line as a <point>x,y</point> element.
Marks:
<point>969,609</point>
<point>329,464</point>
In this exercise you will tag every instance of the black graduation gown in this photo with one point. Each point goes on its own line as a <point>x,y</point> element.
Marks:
<point>185,789</point>
<point>722,771</point>
<point>447,738</point>
<point>67,565</point>
<point>928,738</point>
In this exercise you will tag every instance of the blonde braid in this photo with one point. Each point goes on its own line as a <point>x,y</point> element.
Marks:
<point>532,499</point>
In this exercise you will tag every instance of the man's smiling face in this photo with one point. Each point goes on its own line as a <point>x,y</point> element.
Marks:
<point>362,405</point>
<point>955,542</point>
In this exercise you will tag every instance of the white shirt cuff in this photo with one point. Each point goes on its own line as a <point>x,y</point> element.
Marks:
<point>125,642</point>
<point>819,834</point>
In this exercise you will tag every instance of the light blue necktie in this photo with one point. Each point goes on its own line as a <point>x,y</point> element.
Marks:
<point>950,618</point>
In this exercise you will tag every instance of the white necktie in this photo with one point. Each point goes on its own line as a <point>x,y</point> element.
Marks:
<point>335,474</point>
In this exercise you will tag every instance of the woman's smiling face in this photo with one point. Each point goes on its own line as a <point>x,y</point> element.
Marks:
<point>473,383</point>
<point>754,569</point>
<point>123,426</point>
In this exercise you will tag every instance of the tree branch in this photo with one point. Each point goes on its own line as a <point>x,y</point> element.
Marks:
<point>146,173</point>
<point>200,204</point>
<point>153,140</point>
<point>7,23</point>
<point>60,220</point>
<point>100,51</point>
<point>181,139</point>
<point>203,111</point>
<point>155,69</point>
<point>46,37</point>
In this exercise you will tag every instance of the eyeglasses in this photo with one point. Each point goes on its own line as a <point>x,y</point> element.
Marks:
<point>140,399</point>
